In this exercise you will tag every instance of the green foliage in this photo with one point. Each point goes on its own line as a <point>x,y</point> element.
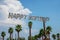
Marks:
<point>10,30</point>
<point>48,29</point>
<point>9,38</point>
<point>53,36</point>
<point>33,38</point>
<point>58,35</point>
<point>30,24</point>
<point>22,38</point>
<point>41,33</point>
<point>18,28</point>
<point>3,34</point>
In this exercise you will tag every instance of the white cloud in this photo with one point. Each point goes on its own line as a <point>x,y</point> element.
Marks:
<point>12,22</point>
<point>12,6</point>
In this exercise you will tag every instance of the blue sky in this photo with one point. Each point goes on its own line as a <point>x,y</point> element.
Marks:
<point>45,8</point>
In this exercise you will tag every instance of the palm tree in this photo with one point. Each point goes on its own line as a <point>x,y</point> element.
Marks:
<point>30,26</point>
<point>48,30</point>
<point>3,34</point>
<point>18,29</point>
<point>58,35</point>
<point>33,38</point>
<point>53,36</point>
<point>39,36</point>
<point>36,36</point>
<point>10,30</point>
<point>41,33</point>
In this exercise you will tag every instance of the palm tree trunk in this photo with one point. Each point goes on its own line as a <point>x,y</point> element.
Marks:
<point>30,33</point>
<point>49,36</point>
<point>57,38</point>
<point>42,37</point>
<point>44,29</point>
<point>3,38</point>
<point>18,36</point>
<point>10,36</point>
<point>15,36</point>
